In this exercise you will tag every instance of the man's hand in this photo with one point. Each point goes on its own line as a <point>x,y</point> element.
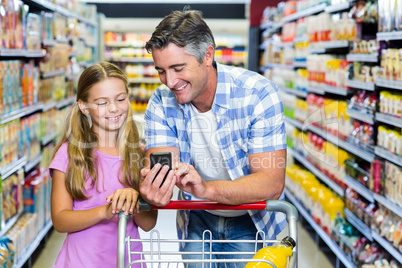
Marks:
<point>190,181</point>
<point>150,186</point>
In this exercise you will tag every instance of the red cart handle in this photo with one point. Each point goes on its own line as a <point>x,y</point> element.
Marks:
<point>202,205</point>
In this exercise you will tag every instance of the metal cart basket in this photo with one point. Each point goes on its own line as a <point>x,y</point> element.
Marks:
<point>155,256</point>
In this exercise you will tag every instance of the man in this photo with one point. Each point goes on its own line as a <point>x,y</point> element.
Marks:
<point>224,125</point>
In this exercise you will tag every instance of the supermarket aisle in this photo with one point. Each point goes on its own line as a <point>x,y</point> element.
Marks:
<point>309,254</point>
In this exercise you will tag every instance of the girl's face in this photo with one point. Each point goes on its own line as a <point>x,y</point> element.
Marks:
<point>108,105</point>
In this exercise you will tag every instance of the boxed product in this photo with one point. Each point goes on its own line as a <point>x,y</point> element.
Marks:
<point>34,195</point>
<point>12,195</point>
<point>33,38</point>
<point>7,253</point>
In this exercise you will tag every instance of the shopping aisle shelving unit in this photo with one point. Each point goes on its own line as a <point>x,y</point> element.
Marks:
<point>22,164</point>
<point>365,153</point>
<point>341,257</point>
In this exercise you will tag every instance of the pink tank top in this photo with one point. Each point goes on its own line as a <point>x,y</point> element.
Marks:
<point>95,246</point>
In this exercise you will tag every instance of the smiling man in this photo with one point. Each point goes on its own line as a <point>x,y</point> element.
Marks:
<point>224,126</point>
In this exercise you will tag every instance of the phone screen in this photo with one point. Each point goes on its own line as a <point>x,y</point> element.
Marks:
<point>163,158</point>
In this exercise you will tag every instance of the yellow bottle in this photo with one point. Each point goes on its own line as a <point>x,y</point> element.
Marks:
<point>277,254</point>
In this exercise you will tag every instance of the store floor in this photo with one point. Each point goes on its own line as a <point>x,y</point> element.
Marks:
<point>309,254</point>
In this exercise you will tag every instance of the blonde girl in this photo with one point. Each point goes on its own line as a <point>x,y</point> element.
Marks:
<point>96,171</point>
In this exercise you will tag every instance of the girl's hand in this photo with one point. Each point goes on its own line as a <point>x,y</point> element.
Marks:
<point>124,200</point>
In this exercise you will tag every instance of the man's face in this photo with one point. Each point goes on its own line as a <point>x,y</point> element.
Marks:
<point>181,72</point>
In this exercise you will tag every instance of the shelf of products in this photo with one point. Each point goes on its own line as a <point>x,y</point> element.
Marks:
<point>12,167</point>
<point>363,228</point>
<point>381,82</point>
<point>385,244</point>
<point>26,254</point>
<point>373,57</point>
<point>386,36</point>
<point>335,8</point>
<point>389,119</point>
<point>294,122</point>
<point>33,163</point>
<point>355,185</point>
<point>316,172</point>
<point>308,11</point>
<point>389,204</point>
<point>48,138</point>
<point>10,223</point>
<point>27,53</point>
<point>66,102</point>
<point>20,113</point>
<point>360,85</point>
<point>361,115</point>
<point>292,91</point>
<point>341,143</point>
<point>330,243</point>
<point>388,155</point>
<point>342,58</point>
<point>39,60</point>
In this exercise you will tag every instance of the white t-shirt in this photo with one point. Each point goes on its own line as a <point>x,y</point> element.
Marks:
<point>206,155</point>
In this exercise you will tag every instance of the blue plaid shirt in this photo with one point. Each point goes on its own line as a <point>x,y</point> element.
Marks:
<point>250,120</point>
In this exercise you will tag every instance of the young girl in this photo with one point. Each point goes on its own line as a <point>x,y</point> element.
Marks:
<point>96,170</point>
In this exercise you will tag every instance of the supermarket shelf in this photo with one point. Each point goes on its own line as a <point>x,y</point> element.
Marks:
<point>148,80</point>
<point>338,189</point>
<point>385,36</point>
<point>358,187</point>
<point>49,42</point>
<point>359,115</point>
<point>389,204</point>
<point>37,53</point>
<point>306,12</point>
<point>292,91</point>
<point>66,102</point>
<point>27,252</point>
<point>20,113</point>
<point>49,105</point>
<point>389,83</point>
<point>14,166</point>
<point>360,85</point>
<point>53,73</point>
<point>330,243</point>
<point>316,50</point>
<point>283,44</point>
<point>48,138</point>
<point>373,57</point>
<point>34,162</point>
<point>387,246</point>
<point>338,90</point>
<point>322,47</point>
<point>131,60</point>
<point>317,90</point>
<point>300,64</point>
<point>294,122</point>
<point>59,9</point>
<point>278,66</point>
<point>338,7</point>
<point>388,155</point>
<point>357,151</point>
<point>270,24</point>
<point>389,119</point>
<point>345,145</point>
<point>358,224</point>
<point>10,223</point>
<point>138,44</point>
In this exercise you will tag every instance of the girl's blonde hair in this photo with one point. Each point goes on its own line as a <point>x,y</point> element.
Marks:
<point>82,141</point>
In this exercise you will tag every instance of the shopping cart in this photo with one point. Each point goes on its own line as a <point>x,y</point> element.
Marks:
<point>157,256</point>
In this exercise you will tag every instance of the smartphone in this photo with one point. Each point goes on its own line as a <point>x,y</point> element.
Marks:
<point>163,158</point>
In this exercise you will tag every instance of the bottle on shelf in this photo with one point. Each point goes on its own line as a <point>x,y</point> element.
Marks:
<point>277,254</point>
